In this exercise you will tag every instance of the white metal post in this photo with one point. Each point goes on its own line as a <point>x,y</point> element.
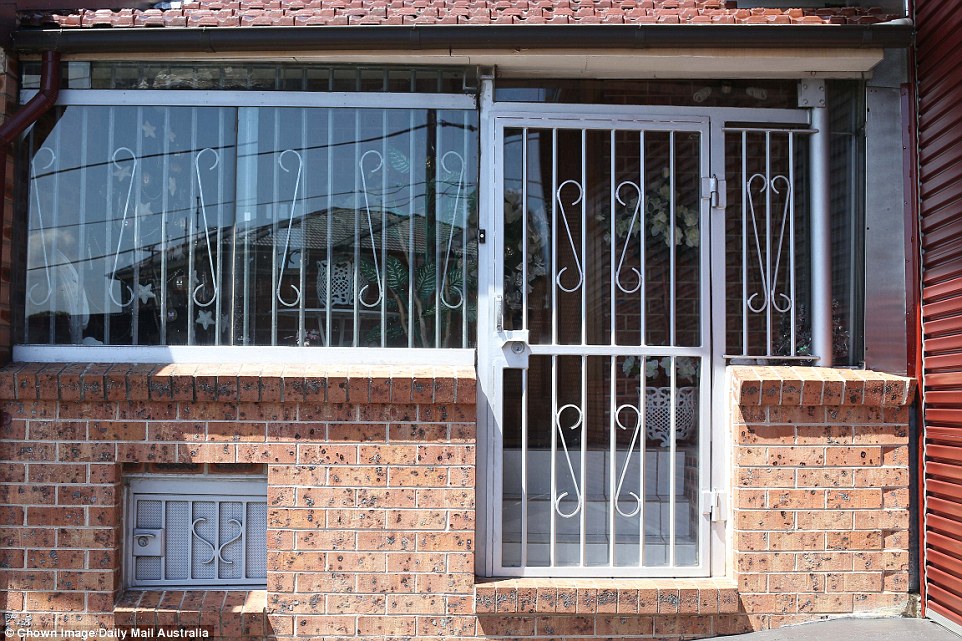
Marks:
<point>821,223</point>
<point>488,526</point>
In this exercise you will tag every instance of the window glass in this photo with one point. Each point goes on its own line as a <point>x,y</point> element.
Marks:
<point>256,77</point>
<point>698,93</point>
<point>252,226</point>
<point>846,171</point>
<point>129,216</point>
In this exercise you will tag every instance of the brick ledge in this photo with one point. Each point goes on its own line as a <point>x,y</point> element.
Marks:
<point>237,382</point>
<point>230,614</point>
<point>606,596</point>
<point>805,386</point>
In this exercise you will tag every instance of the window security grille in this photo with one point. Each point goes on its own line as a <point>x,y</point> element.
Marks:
<point>197,532</point>
<point>255,226</point>
<point>768,248</point>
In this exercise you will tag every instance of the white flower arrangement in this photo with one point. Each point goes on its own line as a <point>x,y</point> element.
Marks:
<point>657,214</point>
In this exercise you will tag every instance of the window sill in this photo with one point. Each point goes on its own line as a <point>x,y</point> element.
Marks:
<point>288,354</point>
<point>230,614</point>
<point>606,596</point>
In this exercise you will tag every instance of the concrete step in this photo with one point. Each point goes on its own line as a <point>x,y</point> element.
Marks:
<point>854,629</point>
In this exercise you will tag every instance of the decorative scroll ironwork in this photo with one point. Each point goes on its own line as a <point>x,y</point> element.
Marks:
<point>770,296</point>
<point>631,228</point>
<point>193,530</point>
<point>203,210</point>
<point>290,225</point>
<point>571,241</point>
<point>624,470</point>
<point>121,171</point>
<point>234,539</point>
<point>218,551</point>
<point>197,549</point>
<point>370,227</point>
<point>35,168</point>
<point>454,214</point>
<point>571,470</point>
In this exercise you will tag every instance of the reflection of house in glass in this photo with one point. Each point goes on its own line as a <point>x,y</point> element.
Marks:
<point>302,279</point>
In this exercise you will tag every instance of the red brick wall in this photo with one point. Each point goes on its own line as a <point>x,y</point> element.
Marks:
<point>820,492</point>
<point>371,492</point>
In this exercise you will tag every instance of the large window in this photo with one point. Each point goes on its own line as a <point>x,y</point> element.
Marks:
<point>214,225</point>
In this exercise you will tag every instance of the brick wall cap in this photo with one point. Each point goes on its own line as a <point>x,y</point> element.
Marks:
<point>803,386</point>
<point>440,383</point>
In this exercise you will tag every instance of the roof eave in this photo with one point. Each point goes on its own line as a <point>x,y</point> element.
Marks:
<point>897,34</point>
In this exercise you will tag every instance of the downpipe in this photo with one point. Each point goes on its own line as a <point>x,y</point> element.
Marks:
<point>39,104</point>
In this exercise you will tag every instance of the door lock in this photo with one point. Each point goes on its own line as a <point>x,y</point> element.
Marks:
<point>516,353</point>
<point>148,542</point>
<point>515,348</point>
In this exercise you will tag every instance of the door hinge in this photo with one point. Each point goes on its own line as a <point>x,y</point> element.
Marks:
<point>715,505</point>
<point>714,191</point>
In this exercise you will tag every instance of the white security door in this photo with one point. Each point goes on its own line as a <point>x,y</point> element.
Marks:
<point>597,363</point>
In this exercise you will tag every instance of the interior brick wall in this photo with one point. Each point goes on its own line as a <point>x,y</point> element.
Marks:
<point>371,494</point>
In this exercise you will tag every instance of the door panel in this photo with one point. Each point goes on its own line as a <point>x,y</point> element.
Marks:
<point>600,283</point>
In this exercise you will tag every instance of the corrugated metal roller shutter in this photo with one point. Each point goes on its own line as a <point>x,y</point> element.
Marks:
<point>939,58</point>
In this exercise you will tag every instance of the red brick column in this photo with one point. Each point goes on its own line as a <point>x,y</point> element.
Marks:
<point>820,492</point>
